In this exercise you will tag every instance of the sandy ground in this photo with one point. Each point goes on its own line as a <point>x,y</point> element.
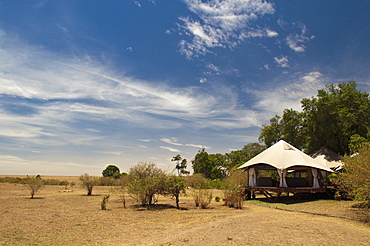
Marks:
<point>72,218</point>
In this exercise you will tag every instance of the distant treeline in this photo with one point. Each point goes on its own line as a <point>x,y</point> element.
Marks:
<point>18,180</point>
<point>101,181</point>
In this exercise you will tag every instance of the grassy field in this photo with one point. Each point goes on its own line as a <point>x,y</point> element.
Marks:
<point>72,218</point>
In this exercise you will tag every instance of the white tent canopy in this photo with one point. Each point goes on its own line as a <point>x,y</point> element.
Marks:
<point>328,157</point>
<point>283,156</point>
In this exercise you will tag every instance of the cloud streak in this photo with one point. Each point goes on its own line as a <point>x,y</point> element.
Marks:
<point>60,90</point>
<point>222,23</point>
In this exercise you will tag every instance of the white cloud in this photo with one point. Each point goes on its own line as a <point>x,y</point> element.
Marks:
<point>288,95</point>
<point>222,23</point>
<point>170,149</point>
<point>92,130</point>
<point>65,91</point>
<point>145,140</point>
<point>296,41</point>
<point>213,67</point>
<point>198,146</point>
<point>283,61</point>
<point>172,141</point>
<point>271,33</point>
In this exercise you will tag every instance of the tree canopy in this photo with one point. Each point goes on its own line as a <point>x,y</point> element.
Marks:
<point>181,165</point>
<point>111,171</point>
<point>217,166</point>
<point>328,120</point>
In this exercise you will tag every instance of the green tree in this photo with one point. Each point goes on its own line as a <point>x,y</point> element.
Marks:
<point>111,171</point>
<point>88,182</point>
<point>238,157</point>
<point>355,178</point>
<point>211,166</point>
<point>175,185</point>
<point>181,165</point>
<point>338,112</point>
<point>271,133</point>
<point>146,180</point>
<point>357,142</point>
<point>201,163</point>
<point>328,120</point>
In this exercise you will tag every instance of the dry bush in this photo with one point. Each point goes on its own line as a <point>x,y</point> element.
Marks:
<point>88,182</point>
<point>202,197</point>
<point>104,202</point>
<point>33,184</point>
<point>120,188</point>
<point>202,192</point>
<point>233,191</point>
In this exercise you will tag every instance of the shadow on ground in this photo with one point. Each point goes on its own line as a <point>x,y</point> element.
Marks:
<point>157,207</point>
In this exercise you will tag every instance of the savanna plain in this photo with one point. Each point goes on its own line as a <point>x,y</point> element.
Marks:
<point>57,217</point>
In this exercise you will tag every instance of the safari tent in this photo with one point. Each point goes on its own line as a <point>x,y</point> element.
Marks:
<point>328,157</point>
<point>304,173</point>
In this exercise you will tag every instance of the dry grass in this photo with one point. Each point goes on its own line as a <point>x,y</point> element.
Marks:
<point>72,218</point>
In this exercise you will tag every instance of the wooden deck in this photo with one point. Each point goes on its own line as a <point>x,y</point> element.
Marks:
<point>300,192</point>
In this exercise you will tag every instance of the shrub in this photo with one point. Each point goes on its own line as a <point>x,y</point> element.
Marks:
<point>205,197</point>
<point>88,182</point>
<point>65,183</point>
<point>202,193</point>
<point>146,180</point>
<point>120,187</point>
<point>355,176</point>
<point>106,181</point>
<point>104,202</point>
<point>233,190</point>
<point>34,184</point>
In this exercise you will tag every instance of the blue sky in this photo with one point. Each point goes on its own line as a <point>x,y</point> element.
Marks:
<point>85,84</point>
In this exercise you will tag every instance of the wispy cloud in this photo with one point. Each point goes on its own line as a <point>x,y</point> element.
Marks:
<point>222,23</point>
<point>62,91</point>
<point>283,61</point>
<point>145,140</point>
<point>288,95</point>
<point>297,41</point>
<point>170,149</point>
<point>172,141</point>
<point>198,146</point>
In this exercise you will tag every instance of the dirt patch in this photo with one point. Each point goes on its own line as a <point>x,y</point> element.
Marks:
<point>72,218</point>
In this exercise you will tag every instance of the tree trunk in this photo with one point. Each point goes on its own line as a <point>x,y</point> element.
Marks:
<point>177,201</point>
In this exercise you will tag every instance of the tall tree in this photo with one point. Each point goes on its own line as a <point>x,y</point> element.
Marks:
<point>238,157</point>
<point>201,164</point>
<point>330,120</point>
<point>338,112</point>
<point>181,165</point>
<point>271,133</point>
